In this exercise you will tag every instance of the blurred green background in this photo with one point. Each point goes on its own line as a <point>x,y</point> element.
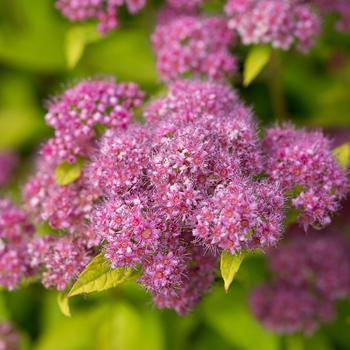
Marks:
<point>40,54</point>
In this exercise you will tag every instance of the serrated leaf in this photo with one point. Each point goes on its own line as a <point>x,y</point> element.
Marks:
<point>256,60</point>
<point>66,173</point>
<point>77,38</point>
<point>229,266</point>
<point>63,303</point>
<point>99,276</point>
<point>342,154</point>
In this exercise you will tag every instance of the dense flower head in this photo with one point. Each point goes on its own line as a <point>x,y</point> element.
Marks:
<point>8,161</point>
<point>243,215</point>
<point>64,208</point>
<point>319,261</point>
<point>121,157</point>
<point>60,258</point>
<point>277,22</point>
<point>285,309</point>
<point>198,150</point>
<point>188,100</point>
<point>15,234</point>
<point>105,11</point>
<point>196,281</point>
<point>191,44</point>
<point>82,109</point>
<point>303,162</point>
<point>9,337</point>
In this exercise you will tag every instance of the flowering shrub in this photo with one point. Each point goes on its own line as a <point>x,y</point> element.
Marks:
<point>164,189</point>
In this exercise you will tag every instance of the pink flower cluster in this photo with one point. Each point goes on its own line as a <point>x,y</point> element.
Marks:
<point>9,338</point>
<point>311,273</point>
<point>277,22</point>
<point>303,163</point>
<point>105,11</point>
<point>168,196</point>
<point>285,309</point>
<point>82,109</point>
<point>8,161</point>
<point>194,45</point>
<point>166,182</point>
<point>15,235</point>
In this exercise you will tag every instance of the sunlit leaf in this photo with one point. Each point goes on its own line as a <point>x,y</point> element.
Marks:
<point>63,304</point>
<point>256,60</point>
<point>66,173</point>
<point>99,276</point>
<point>229,266</point>
<point>342,154</point>
<point>77,38</point>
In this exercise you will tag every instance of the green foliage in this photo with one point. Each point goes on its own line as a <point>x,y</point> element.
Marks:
<point>229,316</point>
<point>99,276</point>
<point>342,154</point>
<point>66,173</point>
<point>77,38</point>
<point>257,59</point>
<point>63,304</point>
<point>229,265</point>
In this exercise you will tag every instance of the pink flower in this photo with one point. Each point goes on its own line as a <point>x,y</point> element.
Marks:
<point>190,44</point>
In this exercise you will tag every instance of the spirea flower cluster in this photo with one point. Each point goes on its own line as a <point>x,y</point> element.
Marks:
<point>166,197</point>
<point>310,274</point>
<point>8,161</point>
<point>159,180</point>
<point>303,163</point>
<point>194,45</point>
<point>277,22</point>
<point>104,11</point>
<point>15,234</point>
<point>9,337</point>
<point>82,109</point>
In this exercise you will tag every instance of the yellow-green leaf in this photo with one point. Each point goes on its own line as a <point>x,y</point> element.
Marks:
<point>229,266</point>
<point>63,303</point>
<point>77,39</point>
<point>66,173</point>
<point>342,154</point>
<point>256,60</point>
<point>99,276</point>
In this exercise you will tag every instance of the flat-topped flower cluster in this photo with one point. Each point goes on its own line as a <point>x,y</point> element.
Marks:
<point>164,197</point>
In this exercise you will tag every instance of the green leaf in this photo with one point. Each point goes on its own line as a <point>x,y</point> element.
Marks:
<point>229,265</point>
<point>77,38</point>
<point>230,316</point>
<point>66,173</point>
<point>342,154</point>
<point>256,60</point>
<point>63,303</point>
<point>99,276</point>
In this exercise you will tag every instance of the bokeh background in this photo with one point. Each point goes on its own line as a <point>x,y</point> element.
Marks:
<point>40,54</point>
